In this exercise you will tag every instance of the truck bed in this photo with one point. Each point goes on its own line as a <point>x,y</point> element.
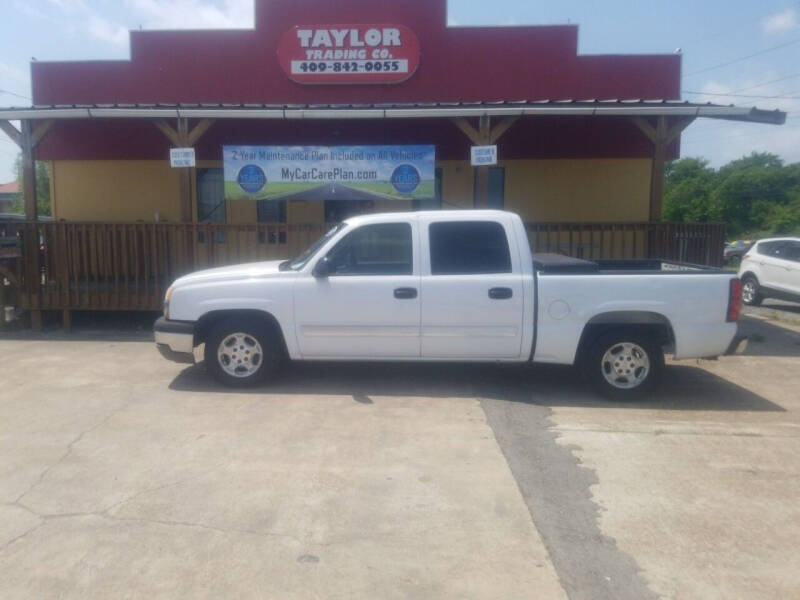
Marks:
<point>557,264</point>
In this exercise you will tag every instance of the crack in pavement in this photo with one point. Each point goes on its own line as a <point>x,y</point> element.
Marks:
<point>556,489</point>
<point>68,451</point>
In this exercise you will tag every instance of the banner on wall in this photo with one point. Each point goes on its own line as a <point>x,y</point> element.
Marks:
<point>310,173</point>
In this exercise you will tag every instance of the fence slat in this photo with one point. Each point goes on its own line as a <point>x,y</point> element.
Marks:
<point>128,265</point>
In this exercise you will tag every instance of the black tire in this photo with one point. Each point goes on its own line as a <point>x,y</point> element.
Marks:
<point>633,345</point>
<point>754,297</point>
<point>254,335</point>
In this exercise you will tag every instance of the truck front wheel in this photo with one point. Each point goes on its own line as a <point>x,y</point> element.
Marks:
<point>624,364</point>
<point>240,352</point>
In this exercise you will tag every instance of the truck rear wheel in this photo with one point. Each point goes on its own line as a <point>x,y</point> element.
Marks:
<point>240,352</point>
<point>624,363</point>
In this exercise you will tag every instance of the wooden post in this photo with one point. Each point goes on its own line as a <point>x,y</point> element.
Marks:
<point>660,136</point>
<point>33,276</point>
<point>185,174</point>
<point>657,179</point>
<point>485,135</point>
<point>28,171</point>
<point>183,137</point>
<point>27,138</point>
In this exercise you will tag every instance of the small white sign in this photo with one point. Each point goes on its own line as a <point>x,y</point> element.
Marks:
<point>181,157</point>
<point>484,155</point>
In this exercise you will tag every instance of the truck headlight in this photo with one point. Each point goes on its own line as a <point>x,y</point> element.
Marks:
<point>167,298</point>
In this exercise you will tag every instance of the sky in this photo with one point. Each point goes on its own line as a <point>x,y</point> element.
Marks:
<point>734,51</point>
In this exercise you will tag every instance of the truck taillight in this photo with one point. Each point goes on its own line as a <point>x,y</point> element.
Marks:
<point>734,300</point>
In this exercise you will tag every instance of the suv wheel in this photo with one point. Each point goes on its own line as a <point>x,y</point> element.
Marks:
<point>624,364</point>
<point>240,352</point>
<point>751,295</point>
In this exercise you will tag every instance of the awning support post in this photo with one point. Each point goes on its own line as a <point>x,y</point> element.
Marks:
<point>485,135</point>
<point>27,139</point>
<point>183,137</point>
<point>660,136</point>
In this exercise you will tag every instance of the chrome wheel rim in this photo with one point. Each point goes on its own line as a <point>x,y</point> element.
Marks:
<point>748,291</point>
<point>625,365</point>
<point>239,354</point>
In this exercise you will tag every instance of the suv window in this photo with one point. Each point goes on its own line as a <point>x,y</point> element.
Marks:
<point>468,247</point>
<point>792,251</point>
<point>381,249</point>
<point>772,249</point>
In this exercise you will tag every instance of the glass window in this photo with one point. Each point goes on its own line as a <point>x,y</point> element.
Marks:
<point>210,196</point>
<point>496,187</point>
<point>381,249</point>
<point>272,211</point>
<point>767,248</point>
<point>792,251</point>
<point>469,247</point>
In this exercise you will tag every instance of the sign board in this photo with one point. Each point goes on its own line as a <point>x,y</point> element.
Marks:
<point>336,54</point>
<point>310,173</point>
<point>181,157</point>
<point>484,156</point>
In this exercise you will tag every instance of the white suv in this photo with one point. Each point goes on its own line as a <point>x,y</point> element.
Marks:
<point>771,269</point>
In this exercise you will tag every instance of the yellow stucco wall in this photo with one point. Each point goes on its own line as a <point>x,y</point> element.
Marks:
<point>539,190</point>
<point>113,190</point>
<point>561,190</point>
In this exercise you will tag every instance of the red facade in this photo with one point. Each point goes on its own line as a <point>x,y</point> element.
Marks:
<point>455,65</point>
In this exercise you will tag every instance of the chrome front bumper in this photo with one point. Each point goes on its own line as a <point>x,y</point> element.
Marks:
<point>175,340</point>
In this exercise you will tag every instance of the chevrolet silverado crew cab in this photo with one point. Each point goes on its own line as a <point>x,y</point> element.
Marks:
<point>449,286</point>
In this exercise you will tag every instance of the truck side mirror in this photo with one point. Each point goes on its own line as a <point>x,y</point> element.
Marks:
<point>322,269</point>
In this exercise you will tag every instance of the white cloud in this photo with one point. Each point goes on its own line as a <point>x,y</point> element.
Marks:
<point>780,22</point>
<point>107,31</point>
<point>192,14</point>
<point>722,141</point>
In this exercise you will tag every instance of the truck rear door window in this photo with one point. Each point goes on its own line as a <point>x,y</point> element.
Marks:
<point>469,248</point>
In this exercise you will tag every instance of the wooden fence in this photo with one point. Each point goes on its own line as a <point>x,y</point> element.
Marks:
<point>128,266</point>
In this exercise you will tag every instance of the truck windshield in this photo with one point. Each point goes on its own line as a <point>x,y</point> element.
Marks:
<point>297,263</point>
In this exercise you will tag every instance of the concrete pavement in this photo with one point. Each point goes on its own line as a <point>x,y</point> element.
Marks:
<point>116,481</point>
<point>124,475</point>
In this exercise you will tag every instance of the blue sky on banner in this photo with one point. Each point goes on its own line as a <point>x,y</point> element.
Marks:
<point>735,51</point>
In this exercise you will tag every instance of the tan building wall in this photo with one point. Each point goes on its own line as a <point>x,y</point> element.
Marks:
<point>590,190</point>
<point>561,190</point>
<point>112,190</point>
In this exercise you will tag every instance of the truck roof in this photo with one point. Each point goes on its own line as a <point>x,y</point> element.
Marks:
<point>428,215</point>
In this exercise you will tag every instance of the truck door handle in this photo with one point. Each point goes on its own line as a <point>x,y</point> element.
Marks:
<point>500,293</point>
<point>405,293</point>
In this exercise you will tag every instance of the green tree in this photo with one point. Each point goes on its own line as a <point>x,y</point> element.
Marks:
<point>42,188</point>
<point>754,194</point>
<point>750,188</point>
<point>689,185</point>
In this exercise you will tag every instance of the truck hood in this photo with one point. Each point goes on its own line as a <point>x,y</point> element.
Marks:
<point>243,271</point>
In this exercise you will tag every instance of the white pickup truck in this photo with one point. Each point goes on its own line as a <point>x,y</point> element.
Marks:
<point>449,286</point>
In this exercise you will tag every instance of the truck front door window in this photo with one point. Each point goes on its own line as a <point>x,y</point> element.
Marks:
<point>383,249</point>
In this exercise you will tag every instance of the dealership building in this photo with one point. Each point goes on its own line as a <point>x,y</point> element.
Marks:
<point>559,137</point>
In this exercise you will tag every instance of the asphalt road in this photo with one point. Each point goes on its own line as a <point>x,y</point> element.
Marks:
<point>333,191</point>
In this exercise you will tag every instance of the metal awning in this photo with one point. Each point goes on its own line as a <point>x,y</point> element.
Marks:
<point>595,108</point>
